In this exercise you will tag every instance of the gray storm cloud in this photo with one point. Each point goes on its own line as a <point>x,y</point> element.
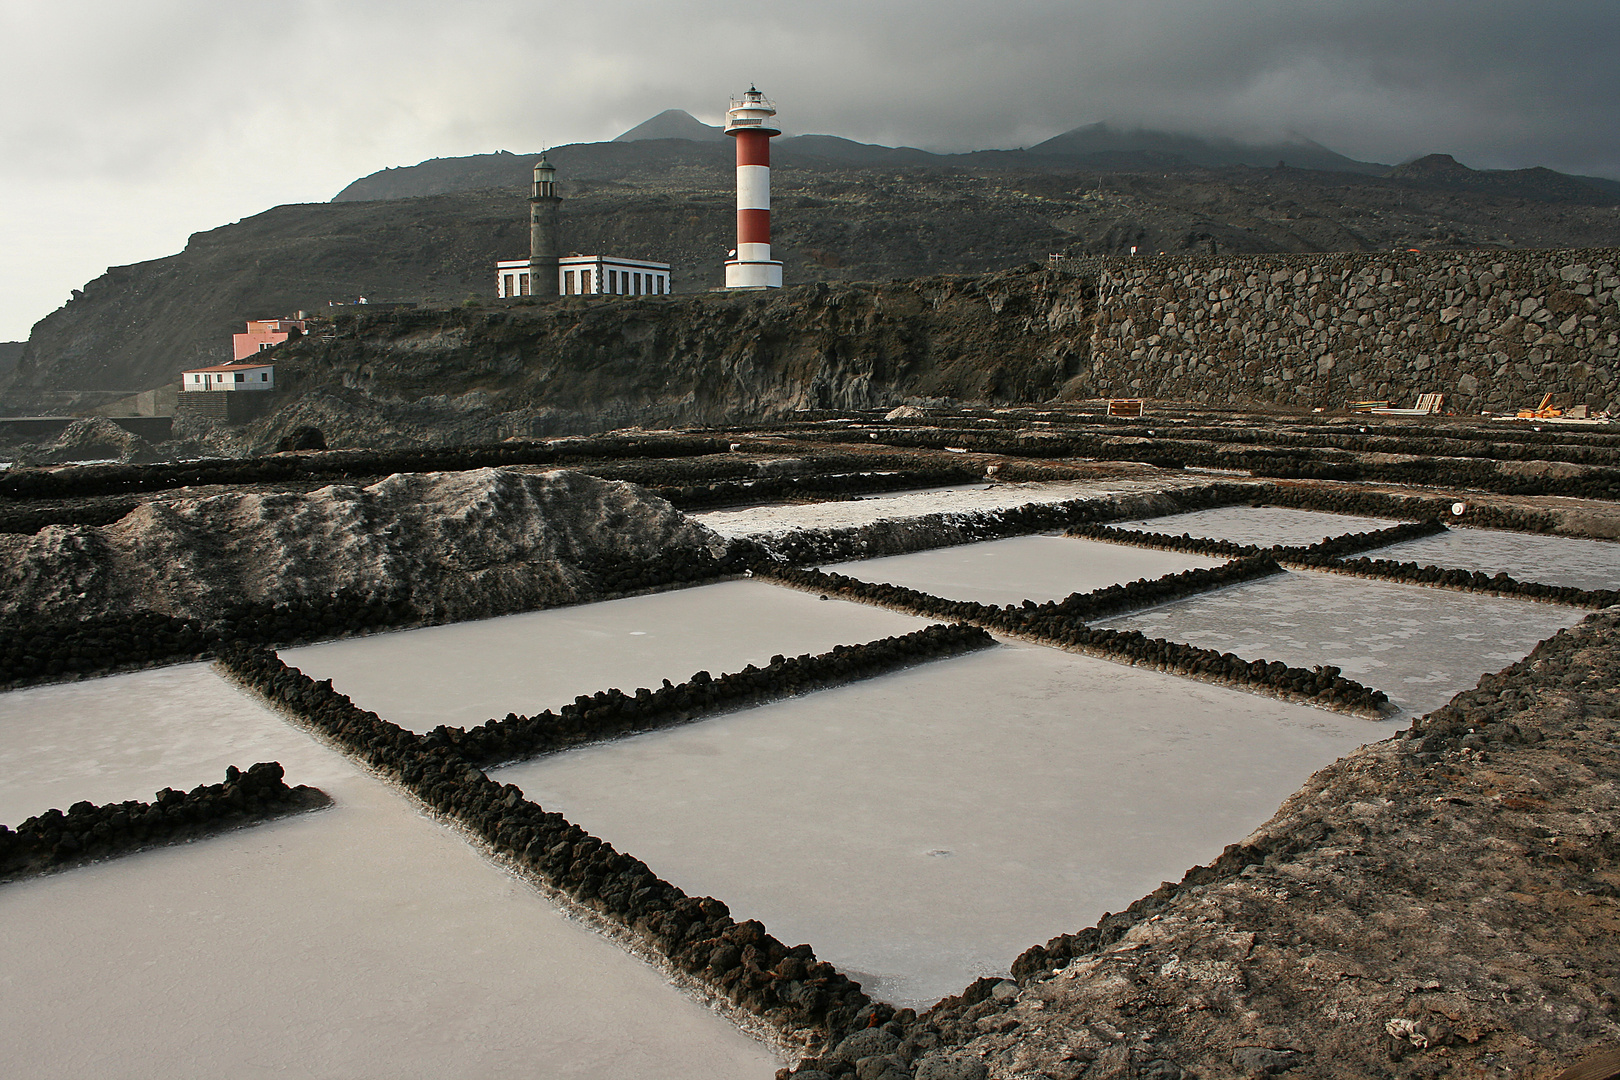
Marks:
<point>168,116</point>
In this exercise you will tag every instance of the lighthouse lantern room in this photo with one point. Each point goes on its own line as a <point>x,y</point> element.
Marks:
<point>749,122</point>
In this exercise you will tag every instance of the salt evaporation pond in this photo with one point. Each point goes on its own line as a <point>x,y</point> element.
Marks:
<point>1038,568</point>
<point>466,673</point>
<point>925,827</point>
<point>777,518</point>
<point>1418,645</point>
<point>1551,560</point>
<point>108,740</point>
<point>362,940</point>
<point>1263,526</point>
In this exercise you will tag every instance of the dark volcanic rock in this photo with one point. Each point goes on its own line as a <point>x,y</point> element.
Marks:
<point>54,840</point>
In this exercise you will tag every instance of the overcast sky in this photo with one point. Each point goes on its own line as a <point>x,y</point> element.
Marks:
<point>125,126</point>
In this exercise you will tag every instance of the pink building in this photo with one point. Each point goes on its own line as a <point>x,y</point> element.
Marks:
<point>261,334</point>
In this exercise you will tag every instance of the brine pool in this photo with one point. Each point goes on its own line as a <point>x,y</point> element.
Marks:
<point>1038,568</point>
<point>918,829</point>
<point>1263,526</point>
<point>361,940</point>
<point>466,673</point>
<point>1550,560</point>
<point>923,828</point>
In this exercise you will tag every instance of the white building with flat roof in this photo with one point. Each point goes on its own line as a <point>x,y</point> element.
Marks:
<point>594,275</point>
<point>229,377</point>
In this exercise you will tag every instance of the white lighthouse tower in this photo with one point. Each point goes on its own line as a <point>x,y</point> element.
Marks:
<point>749,122</point>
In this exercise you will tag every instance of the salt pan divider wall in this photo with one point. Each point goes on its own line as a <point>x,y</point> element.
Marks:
<point>1062,624</point>
<point>54,840</point>
<point>1329,556</point>
<point>806,1002</point>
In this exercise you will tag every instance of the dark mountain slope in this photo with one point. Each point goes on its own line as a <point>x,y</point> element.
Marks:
<point>10,353</point>
<point>1099,141</point>
<point>649,158</point>
<point>673,124</point>
<point>136,327</point>
<point>577,162</point>
<point>1442,171</point>
<point>835,219</point>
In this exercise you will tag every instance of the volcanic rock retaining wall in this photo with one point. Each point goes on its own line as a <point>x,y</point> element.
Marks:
<point>1330,549</point>
<point>800,997</point>
<point>1490,329</point>
<point>1417,466</point>
<point>612,712</point>
<point>1330,555</point>
<point>1062,624</point>
<point>56,839</point>
<point>88,481</point>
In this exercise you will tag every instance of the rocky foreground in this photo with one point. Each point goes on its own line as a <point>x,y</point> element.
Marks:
<point>1439,904</point>
<point>452,545</point>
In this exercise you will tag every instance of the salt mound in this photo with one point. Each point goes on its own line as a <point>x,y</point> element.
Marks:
<point>458,545</point>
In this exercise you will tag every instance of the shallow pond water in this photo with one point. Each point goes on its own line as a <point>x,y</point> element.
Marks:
<point>1038,568</point>
<point>842,514</point>
<point>925,827</point>
<point>466,673</point>
<point>1264,526</point>
<point>1418,645</point>
<point>124,737</point>
<point>360,940</point>
<point>1550,560</point>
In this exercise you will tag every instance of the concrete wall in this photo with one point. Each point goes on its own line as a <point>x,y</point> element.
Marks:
<point>159,402</point>
<point>1493,330</point>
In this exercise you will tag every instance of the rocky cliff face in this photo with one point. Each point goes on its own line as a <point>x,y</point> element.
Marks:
<point>1489,330</point>
<point>408,377</point>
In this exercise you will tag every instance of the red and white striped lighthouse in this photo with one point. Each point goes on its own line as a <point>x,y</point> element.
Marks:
<point>749,122</point>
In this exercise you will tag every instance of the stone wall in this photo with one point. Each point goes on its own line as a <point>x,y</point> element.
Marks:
<point>1493,330</point>
<point>233,406</point>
